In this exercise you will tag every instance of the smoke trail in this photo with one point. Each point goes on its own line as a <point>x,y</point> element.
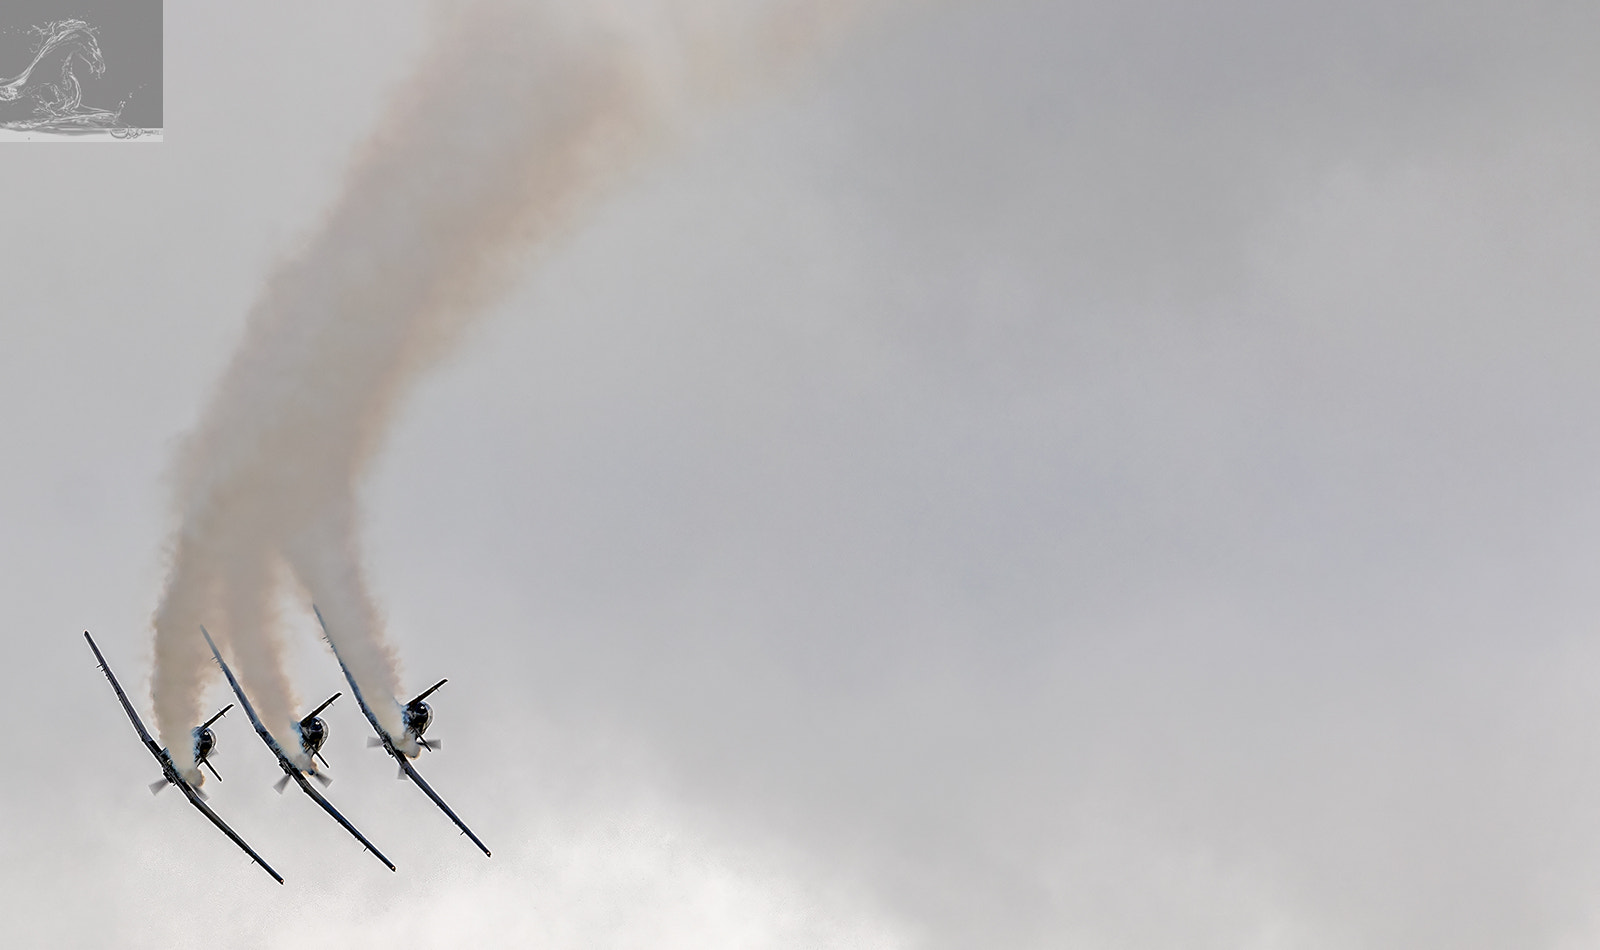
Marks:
<point>519,114</point>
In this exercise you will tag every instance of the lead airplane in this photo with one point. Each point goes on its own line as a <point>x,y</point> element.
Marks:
<point>205,742</point>
<point>313,732</point>
<point>416,715</point>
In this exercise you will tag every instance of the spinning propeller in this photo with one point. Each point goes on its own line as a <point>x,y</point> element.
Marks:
<point>283,783</point>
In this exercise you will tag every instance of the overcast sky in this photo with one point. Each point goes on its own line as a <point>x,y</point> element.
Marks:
<point>1093,475</point>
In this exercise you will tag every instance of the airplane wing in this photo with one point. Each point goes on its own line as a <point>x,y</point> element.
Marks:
<point>205,809</point>
<point>244,701</point>
<point>327,806</point>
<point>360,699</point>
<point>171,772</point>
<point>388,743</point>
<point>405,765</point>
<point>122,697</point>
<point>285,762</point>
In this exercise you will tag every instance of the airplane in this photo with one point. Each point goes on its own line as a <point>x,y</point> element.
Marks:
<point>313,732</point>
<point>416,716</point>
<point>205,743</point>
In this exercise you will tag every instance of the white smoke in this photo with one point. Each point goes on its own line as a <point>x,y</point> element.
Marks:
<point>518,115</point>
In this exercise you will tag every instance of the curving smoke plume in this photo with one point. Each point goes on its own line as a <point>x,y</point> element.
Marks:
<point>518,115</point>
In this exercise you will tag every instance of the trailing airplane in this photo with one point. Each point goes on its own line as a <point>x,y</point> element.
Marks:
<point>416,716</point>
<point>313,732</point>
<point>205,742</point>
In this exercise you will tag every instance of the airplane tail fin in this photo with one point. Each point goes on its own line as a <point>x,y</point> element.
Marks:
<point>313,713</point>
<point>219,715</point>
<point>428,692</point>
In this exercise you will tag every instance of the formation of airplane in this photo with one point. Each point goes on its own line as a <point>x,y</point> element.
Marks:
<point>300,764</point>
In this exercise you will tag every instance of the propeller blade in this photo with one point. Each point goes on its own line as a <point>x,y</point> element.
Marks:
<point>156,787</point>
<point>200,794</point>
<point>432,745</point>
<point>281,783</point>
<point>325,780</point>
<point>400,773</point>
<point>373,742</point>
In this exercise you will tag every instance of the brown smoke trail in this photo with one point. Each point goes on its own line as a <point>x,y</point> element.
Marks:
<point>519,114</point>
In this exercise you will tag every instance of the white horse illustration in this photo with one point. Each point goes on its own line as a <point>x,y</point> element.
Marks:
<point>57,100</point>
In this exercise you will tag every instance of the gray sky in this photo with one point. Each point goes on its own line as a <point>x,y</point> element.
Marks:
<point>1092,475</point>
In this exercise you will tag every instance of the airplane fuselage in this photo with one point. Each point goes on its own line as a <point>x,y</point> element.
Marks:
<point>418,716</point>
<point>204,741</point>
<point>313,733</point>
